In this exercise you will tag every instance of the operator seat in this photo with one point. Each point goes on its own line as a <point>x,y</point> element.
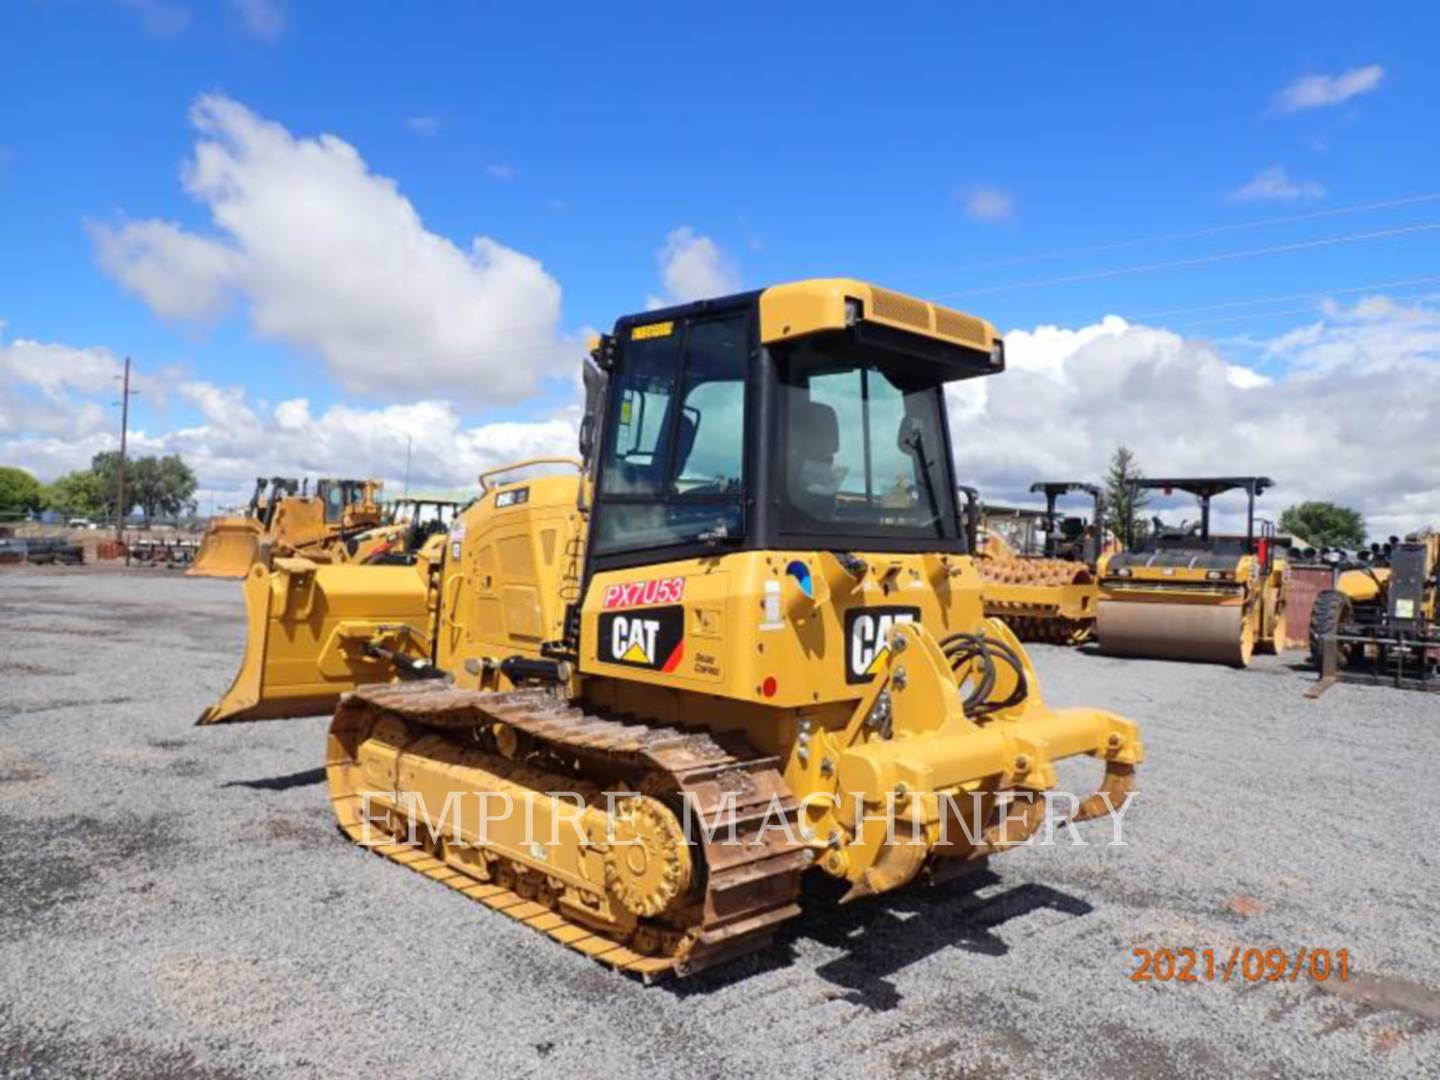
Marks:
<point>814,436</point>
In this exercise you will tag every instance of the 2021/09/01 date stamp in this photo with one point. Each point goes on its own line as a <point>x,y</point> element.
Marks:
<point>1239,964</point>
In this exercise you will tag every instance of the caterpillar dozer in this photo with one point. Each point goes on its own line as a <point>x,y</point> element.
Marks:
<point>1188,594</point>
<point>1378,624</point>
<point>740,638</point>
<point>231,544</point>
<point>1049,595</point>
<point>285,519</point>
<point>320,524</point>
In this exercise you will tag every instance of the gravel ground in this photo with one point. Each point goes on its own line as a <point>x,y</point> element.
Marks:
<point>177,903</point>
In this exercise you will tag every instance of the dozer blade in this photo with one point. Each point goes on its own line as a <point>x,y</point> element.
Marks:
<point>1217,633</point>
<point>228,549</point>
<point>315,632</point>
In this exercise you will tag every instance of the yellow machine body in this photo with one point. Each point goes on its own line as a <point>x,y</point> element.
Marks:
<point>1041,599</point>
<point>843,692</point>
<point>1383,614</point>
<point>228,549</point>
<point>1364,586</point>
<point>329,526</point>
<point>1220,612</point>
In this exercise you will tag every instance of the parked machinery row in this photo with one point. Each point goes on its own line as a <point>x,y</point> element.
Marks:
<point>343,521</point>
<point>1181,593</point>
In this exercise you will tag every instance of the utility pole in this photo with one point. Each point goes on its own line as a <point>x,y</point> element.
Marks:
<point>125,395</point>
<point>406,493</point>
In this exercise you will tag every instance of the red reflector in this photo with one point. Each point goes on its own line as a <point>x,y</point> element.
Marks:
<point>769,686</point>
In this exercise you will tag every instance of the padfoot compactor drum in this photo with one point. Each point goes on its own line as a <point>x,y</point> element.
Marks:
<point>1049,596</point>
<point>629,705</point>
<point>1187,594</point>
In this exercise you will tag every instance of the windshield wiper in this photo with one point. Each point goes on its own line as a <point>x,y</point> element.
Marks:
<point>916,444</point>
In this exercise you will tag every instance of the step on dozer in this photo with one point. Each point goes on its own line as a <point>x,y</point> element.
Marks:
<point>631,703</point>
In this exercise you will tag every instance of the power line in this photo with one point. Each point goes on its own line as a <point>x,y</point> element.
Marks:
<point>1288,296</point>
<point>1201,260</point>
<point>1192,234</point>
<point>1245,318</point>
<point>1242,318</point>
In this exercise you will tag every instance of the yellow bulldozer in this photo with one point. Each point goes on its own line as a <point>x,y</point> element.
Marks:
<point>741,638</point>
<point>232,543</point>
<point>1189,594</point>
<point>283,518</point>
<point>1047,594</point>
<point>1379,622</point>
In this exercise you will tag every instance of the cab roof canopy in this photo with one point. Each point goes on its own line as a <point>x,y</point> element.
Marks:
<point>1207,487</point>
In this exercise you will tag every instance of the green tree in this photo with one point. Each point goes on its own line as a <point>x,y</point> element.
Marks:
<point>105,466</point>
<point>19,491</point>
<point>79,494</point>
<point>162,486</point>
<point>1324,524</point>
<point>1125,502</point>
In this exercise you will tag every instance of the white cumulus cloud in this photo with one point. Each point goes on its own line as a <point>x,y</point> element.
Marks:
<point>1275,184</point>
<point>331,259</point>
<point>1324,422</point>
<point>1317,91</point>
<point>1341,408</point>
<point>692,267</point>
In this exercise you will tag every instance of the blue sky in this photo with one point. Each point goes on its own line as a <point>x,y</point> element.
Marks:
<point>962,154</point>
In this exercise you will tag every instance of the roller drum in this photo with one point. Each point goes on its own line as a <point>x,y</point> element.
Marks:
<point>1214,633</point>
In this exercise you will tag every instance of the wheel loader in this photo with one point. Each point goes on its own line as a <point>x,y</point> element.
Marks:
<point>739,639</point>
<point>1378,624</point>
<point>1189,594</point>
<point>1049,595</point>
<point>408,524</point>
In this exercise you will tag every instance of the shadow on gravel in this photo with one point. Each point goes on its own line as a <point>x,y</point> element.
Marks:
<point>29,1052</point>
<point>883,935</point>
<point>47,864</point>
<point>280,783</point>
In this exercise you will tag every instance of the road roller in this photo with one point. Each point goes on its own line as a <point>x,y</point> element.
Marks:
<point>1187,593</point>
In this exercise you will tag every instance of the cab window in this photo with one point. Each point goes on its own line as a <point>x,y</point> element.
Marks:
<point>673,469</point>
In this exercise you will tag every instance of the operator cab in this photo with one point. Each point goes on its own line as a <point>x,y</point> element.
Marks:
<point>729,424</point>
<point>1189,537</point>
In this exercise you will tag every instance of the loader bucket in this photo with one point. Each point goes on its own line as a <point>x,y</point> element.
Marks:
<point>314,632</point>
<point>228,548</point>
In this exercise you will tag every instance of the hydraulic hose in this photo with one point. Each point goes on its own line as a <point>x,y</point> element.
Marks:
<point>962,648</point>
